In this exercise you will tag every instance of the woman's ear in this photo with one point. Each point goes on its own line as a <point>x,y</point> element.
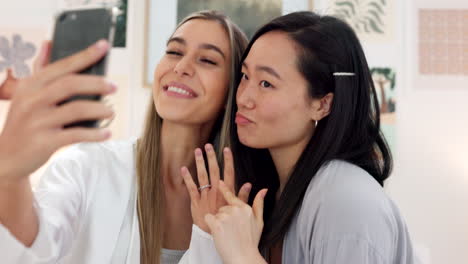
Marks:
<point>320,108</point>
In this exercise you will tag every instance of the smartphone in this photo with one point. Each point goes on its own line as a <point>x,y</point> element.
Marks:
<point>77,29</point>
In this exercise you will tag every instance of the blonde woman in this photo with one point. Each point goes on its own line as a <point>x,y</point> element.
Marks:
<point>125,202</point>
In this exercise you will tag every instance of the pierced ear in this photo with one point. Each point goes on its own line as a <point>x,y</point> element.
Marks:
<point>322,107</point>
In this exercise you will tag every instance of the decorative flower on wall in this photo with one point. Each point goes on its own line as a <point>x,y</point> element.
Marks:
<point>365,16</point>
<point>15,54</point>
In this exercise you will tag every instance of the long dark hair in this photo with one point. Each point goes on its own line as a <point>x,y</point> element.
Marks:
<point>351,132</point>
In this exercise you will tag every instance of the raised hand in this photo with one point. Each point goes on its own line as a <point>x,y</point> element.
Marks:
<point>206,199</point>
<point>237,228</point>
<point>34,127</point>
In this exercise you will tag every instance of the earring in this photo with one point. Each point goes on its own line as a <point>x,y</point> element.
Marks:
<point>316,123</point>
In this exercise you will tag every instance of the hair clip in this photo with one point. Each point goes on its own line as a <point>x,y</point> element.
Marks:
<point>344,74</point>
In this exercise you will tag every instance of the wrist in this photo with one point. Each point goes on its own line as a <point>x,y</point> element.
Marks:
<point>10,178</point>
<point>9,169</point>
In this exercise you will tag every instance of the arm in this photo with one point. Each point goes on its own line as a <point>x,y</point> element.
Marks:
<point>17,211</point>
<point>34,131</point>
<point>58,204</point>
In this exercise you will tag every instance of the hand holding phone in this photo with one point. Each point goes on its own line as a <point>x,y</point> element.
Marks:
<point>34,127</point>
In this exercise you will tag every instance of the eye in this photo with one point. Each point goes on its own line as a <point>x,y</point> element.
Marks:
<point>209,61</point>
<point>266,84</point>
<point>244,76</point>
<point>173,52</point>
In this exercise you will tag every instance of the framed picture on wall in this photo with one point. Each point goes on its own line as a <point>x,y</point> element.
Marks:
<point>437,44</point>
<point>162,18</point>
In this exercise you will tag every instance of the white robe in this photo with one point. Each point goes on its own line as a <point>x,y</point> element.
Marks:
<point>86,207</point>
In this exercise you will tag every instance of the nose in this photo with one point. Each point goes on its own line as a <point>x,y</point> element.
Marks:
<point>184,67</point>
<point>245,97</point>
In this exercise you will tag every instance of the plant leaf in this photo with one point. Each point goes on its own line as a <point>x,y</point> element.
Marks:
<point>375,27</point>
<point>347,4</point>
<point>377,6</point>
<point>376,16</point>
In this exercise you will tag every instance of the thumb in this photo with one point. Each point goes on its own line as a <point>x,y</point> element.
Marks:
<point>257,206</point>
<point>43,57</point>
<point>10,74</point>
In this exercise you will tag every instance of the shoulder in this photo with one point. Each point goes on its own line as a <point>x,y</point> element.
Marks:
<point>344,185</point>
<point>345,208</point>
<point>344,200</point>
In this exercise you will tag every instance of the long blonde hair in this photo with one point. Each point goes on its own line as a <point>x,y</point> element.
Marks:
<point>150,198</point>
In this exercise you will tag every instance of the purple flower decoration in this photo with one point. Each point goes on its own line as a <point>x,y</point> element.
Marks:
<point>16,55</point>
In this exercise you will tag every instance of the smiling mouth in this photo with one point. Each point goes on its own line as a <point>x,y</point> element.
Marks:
<point>179,91</point>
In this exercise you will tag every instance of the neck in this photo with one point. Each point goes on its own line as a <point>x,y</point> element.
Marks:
<point>178,142</point>
<point>285,158</point>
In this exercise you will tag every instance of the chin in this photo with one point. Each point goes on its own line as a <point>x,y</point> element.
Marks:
<point>251,142</point>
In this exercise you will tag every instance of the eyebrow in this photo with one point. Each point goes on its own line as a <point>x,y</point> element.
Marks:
<point>263,68</point>
<point>206,46</point>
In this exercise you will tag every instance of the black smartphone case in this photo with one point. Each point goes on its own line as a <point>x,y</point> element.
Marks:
<point>76,30</point>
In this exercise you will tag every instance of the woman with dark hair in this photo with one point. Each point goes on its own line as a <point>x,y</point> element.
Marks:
<point>307,129</point>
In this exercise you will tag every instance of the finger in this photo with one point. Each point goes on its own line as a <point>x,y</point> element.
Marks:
<point>201,169</point>
<point>80,110</point>
<point>79,134</point>
<point>71,85</point>
<point>74,63</point>
<point>213,165</point>
<point>257,206</point>
<point>43,57</point>
<point>191,186</point>
<point>229,196</point>
<point>214,174</point>
<point>228,169</point>
<point>244,192</point>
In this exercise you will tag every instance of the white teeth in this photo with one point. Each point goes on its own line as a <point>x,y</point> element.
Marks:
<point>178,90</point>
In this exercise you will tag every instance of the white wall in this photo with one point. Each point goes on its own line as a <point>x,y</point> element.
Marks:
<point>430,182</point>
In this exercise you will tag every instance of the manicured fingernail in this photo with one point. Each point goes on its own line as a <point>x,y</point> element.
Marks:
<point>248,186</point>
<point>102,45</point>
<point>226,149</point>
<point>208,147</point>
